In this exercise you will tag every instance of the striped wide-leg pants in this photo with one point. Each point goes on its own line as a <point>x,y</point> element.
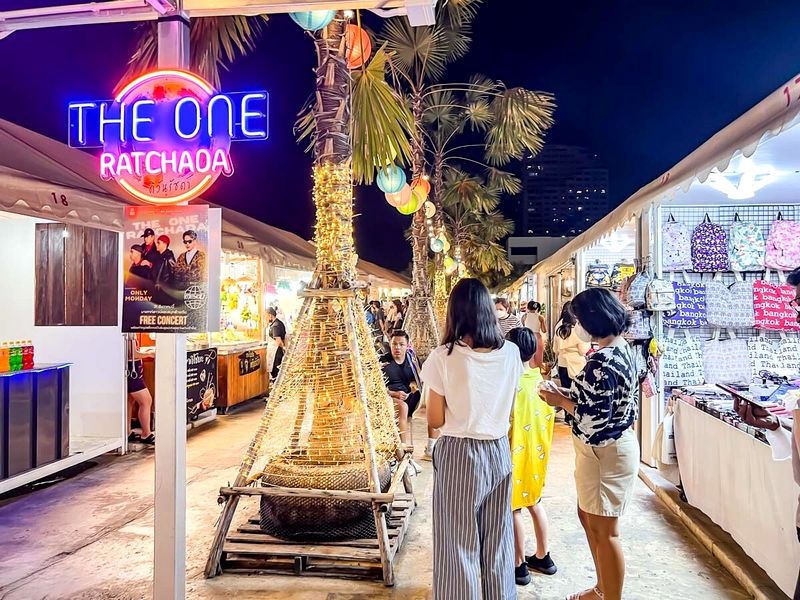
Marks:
<point>473,537</point>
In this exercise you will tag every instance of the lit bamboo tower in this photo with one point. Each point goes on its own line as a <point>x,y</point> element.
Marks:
<point>320,459</point>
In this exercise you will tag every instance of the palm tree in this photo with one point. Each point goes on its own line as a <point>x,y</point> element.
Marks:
<point>470,216</point>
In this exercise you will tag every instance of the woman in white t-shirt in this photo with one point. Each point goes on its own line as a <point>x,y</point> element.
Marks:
<point>533,319</point>
<point>570,348</point>
<point>470,382</point>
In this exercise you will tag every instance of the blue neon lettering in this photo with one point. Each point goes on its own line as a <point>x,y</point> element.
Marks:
<point>109,121</point>
<point>211,103</point>
<point>246,114</point>
<point>81,124</point>
<point>180,103</point>
<point>137,120</point>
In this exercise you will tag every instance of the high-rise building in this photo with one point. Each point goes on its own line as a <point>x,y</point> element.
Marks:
<point>565,191</point>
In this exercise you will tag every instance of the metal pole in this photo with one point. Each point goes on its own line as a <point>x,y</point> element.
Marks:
<point>169,571</point>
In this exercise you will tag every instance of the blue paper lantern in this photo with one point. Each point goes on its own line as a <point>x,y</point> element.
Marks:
<point>437,245</point>
<point>313,20</point>
<point>391,179</point>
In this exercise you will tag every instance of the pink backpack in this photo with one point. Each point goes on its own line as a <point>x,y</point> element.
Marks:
<point>783,245</point>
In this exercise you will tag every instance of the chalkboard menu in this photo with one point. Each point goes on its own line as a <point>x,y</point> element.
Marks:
<point>249,362</point>
<point>201,381</point>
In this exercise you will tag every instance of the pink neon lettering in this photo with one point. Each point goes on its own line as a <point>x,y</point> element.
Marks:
<point>107,165</point>
<point>147,167</point>
<point>171,163</point>
<point>124,164</point>
<point>206,156</point>
<point>186,163</point>
<point>221,162</point>
<point>137,162</point>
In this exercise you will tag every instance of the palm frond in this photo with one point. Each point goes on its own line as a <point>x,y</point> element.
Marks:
<point>214,42</point>
<point>522,118</point>
<point>507,182</point>
<point>418,52</point>
<point>382,123</point>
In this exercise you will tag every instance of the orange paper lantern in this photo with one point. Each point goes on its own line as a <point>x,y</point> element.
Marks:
<point>422,185</point>
<point>400,198</point>
<point>359,46</point>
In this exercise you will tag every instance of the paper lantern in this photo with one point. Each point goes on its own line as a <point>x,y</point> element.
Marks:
<point>411,206</point>
<point>445,242</point>
<point>359,46</point>
<point>449,264</point>
<point>400,198</point>
<point>430,209</point>
<point>437,245</point>
<point>391,179</point>
<point>313,20</point>
<point>422,184</point>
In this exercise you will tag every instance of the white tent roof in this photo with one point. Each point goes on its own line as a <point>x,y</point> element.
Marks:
<point>36,172</point>
<point>776,113</point>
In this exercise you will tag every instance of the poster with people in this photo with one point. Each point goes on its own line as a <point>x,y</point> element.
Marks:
<point>166,262</point>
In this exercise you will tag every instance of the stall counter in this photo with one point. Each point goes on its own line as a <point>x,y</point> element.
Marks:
<point>731,476</point>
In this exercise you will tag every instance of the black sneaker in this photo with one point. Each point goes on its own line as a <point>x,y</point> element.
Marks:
<point>150,440</point>
<point>544,565</point>
<point>134,438</point>
<point>521,574</point>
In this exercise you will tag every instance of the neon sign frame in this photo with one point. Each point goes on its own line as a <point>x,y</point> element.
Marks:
<point>166,135</point>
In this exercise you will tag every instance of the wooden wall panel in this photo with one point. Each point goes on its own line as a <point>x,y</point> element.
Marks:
<point>109,277</point>
<point>50,305</point>
<point>91,277</point>
<point>73,274</point>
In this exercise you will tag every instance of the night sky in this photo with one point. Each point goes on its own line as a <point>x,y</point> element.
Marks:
<point>640,83</point>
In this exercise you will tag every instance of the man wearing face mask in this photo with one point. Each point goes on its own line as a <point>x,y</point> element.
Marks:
<point>504,317</point>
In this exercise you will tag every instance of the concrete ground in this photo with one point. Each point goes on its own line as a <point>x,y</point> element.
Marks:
<point>91,536</point>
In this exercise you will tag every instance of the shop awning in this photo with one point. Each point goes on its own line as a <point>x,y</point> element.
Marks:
<point>377,275</point>
<point>776,113</point>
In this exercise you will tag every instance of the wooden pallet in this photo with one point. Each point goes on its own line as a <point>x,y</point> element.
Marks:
<point>250,550</point>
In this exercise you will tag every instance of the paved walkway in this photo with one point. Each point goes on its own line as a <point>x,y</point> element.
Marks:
<point>91,537</point>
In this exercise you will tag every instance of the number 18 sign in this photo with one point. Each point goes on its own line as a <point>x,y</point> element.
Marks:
<point>166,136</point>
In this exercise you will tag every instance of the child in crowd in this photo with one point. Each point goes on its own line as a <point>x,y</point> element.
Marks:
<point>530,438</point>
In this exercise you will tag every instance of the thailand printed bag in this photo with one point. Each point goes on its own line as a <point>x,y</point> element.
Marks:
<point>730,307</point>
<point>788,357</point>
<point>726,361</point>
<point>676,246</point>
<point>597,275</point>
<point>638,290</point>
<point>783,245</point>
<point>640,326</point>
<point>709,247</point>
<point>660,296</point>
<point>682,362</point>
<point>763,355</point>
<point>690,304</point>
<point>620,273</point>
<point>772,308</point>
<point>746,246</point>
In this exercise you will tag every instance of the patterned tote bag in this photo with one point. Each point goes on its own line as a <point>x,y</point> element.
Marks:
<point>726,361</point>
<point>682,362</point>
<point>709,247</point>
<point>746,246</point>
<point>676,246</point>
<point>772,308</point>
<point>730,307</point>
<point>783,245</point>
<point>788,356</point>
<point>690,303</point>
<point>763,355</point>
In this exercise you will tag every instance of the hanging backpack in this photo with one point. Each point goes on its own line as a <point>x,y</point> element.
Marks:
<point>709,247</point>
<point>597,275</point>
<point>640,328</point>
<point>676,246</point>
<point>783,245</point>
<point>660,296</point>
<point>620,272</point>
<point>637,289</point>
<point>746,246</point>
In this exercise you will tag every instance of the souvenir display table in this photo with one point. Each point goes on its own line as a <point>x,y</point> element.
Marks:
<point>730,475</point>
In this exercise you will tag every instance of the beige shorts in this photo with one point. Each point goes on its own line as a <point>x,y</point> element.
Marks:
<point>605,475</point>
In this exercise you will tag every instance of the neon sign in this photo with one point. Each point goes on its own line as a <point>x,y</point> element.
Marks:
<point>166,136</point>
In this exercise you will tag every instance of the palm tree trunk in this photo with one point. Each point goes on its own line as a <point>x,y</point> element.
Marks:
<point>440,277</point>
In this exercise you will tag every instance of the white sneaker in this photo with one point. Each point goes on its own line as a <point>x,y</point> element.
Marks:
<point>415,465</point>
<point>428,455</point>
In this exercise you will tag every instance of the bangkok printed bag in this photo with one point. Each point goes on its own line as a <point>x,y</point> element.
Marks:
<point>772,308</point>
<point>676,246</point>
<point>690,304</point>
<point>660,296</point>
<point>763,355</point>
<point>620,273</point>
<point>682,362</point>
<point>597,275</point>
<point>730,307</point>
<point>783,245</point>
<point>640,326</point>
<point>746,246</point>
<point>709,247</point>
<point>637,289</point>
<point>726,361</point>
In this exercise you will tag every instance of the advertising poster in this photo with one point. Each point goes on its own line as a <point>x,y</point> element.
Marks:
<point>201,381</point>
<point>166,269</point>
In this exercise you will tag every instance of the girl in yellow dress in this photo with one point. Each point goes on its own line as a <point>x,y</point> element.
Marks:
<point>530,438</point>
